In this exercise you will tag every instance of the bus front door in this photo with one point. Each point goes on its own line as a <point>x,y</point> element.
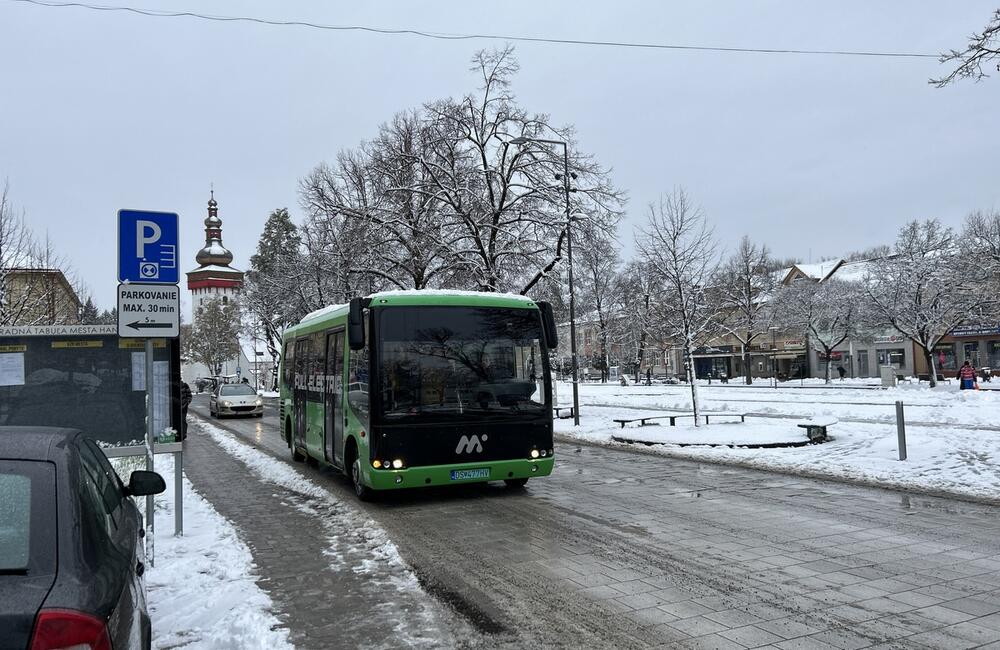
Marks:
<point>299,393</point>
<point>333,437</point>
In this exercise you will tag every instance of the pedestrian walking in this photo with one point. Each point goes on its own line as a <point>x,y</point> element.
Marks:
<point>967,376</point>
<point>185,402</point>
<point>842,372</point>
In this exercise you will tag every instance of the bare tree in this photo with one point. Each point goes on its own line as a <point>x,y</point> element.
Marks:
<point>636,332</point>
<point>828,313</point>
<point>928,286</point>
<point>981,238</point>
<point>745,285</point>
<point>597,262</point>
<point>37,286</point>
<point>374,188</point>
<point>983,48</point>
<point>506,203</point>
<point>679,249</point>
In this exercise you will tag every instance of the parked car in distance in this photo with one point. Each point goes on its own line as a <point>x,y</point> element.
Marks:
<point>71,554</point>
<point>235,399</point>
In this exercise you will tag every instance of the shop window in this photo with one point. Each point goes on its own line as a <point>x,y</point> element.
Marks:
<point>994,354</point>
<point>895,357</point>
<point>944,357</point>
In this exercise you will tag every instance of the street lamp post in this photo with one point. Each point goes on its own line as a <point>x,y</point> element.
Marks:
<point>569,251</point>
<point>774,358</point>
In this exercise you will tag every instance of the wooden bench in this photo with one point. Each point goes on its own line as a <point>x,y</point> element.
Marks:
<point>927,377</point>
<point>901,378</point>
<point>559,415</point>
<point>643,420</point>
<point>816,427</point>
<point>672,417</point>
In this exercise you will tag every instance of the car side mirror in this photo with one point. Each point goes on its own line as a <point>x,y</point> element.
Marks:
<point>142,483</point>
<point>549,325</point>
<point>356,325</point>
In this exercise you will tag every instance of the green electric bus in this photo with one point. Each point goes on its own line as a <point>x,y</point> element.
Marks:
<point>414,388</point>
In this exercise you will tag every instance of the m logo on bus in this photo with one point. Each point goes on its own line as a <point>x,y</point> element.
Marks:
<point>467,445</point>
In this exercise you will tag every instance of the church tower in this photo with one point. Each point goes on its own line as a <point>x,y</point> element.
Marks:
<point>214,279</point>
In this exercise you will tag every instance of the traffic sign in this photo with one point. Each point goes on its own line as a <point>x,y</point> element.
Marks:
<point>149,310</point>
<point>147,247</point>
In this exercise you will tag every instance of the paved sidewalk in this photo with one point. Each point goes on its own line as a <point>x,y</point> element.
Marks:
<point>322,601</point>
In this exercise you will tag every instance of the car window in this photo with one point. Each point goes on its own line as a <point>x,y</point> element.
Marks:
<point>15,521</point>
<point>106,465</point>
<point>102,487</point>
<point>27,517</point>
<point>238,389</point>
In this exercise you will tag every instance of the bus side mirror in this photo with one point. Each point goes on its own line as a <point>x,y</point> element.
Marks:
<point>356,325</point>
<point>549,326</point>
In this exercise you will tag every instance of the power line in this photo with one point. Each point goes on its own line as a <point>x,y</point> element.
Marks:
<point>463,37</point>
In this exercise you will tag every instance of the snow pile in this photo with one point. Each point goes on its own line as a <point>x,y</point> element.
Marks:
<point>202,591</point>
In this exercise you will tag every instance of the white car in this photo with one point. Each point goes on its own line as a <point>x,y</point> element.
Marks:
<point>235,399</point>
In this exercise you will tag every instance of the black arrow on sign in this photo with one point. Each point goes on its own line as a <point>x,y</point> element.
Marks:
<point>138,326</point>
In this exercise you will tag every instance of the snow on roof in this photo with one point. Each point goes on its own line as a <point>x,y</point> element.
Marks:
<point>216,267</point>
<point>323,311</point>
<point>451,292</point>
<point>821,270</point>
<point>853,271</point>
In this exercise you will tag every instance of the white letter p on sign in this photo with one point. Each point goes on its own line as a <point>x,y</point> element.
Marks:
<point>141,239</point>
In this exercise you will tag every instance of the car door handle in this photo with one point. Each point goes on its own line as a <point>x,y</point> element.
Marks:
<point>140,568</point>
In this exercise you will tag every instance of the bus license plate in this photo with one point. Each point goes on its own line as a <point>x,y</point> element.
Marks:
<point>463,474</point>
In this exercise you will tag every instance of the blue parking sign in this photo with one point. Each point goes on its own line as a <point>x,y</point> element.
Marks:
<point>147,247</point>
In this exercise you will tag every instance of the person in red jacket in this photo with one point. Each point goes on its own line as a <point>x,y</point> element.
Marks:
<point>967,376</point>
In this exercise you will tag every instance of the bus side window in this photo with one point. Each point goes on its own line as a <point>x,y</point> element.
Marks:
<point>357,386</point>
<point>288,365</point>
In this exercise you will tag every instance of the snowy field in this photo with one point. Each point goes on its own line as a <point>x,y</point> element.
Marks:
<point>202,591</point>
<point>953,436</point>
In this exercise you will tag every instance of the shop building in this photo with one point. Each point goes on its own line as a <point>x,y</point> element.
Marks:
<point>980,344</point>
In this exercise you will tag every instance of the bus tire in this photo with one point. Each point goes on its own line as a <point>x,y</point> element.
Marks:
<point>515,483</point>
<point>296,456</point>
<point>362,491</point>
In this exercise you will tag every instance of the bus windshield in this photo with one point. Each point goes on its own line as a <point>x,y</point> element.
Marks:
<point>460,360</point>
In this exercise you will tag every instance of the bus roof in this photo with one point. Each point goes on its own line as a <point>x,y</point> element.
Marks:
<point>422,297</point>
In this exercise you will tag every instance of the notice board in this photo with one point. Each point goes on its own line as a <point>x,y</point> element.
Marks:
<point>85,377</point>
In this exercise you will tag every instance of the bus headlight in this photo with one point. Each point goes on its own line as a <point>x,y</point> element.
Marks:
<point>534,453</point>
<point>397,464</point>
<point>376,464</point>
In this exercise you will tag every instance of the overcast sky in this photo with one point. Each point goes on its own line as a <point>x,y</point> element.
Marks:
<point>814,155</point>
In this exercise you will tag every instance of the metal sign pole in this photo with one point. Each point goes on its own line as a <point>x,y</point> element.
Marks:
<point>150,527</point>
<point>178,493</point>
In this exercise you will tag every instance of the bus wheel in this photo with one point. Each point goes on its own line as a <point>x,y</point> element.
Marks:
<point>296,456</point>
<point>515,483</point>
<point>363,491</point>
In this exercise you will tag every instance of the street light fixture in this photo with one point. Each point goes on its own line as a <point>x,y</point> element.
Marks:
<point>521,141</point>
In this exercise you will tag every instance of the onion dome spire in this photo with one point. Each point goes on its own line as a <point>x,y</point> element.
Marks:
<point>213,252</point>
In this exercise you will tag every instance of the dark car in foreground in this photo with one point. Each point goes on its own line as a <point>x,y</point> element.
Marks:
<point>71,554</point>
